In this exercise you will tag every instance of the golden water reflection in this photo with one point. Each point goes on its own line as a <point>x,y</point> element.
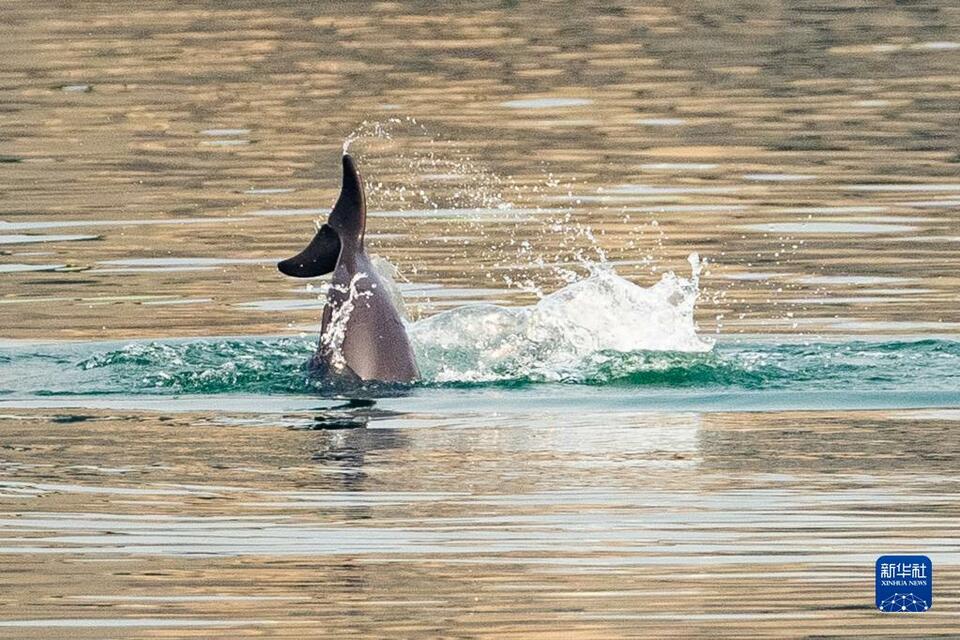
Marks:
<point>654,525</point>
<point>781,142</point>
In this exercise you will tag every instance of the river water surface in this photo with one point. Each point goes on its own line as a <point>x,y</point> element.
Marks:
<point>681,278</point>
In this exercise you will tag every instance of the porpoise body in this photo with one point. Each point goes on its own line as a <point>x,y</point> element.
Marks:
<point>362,337</point>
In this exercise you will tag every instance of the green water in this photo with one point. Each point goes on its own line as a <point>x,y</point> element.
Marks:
<point>733,376</point>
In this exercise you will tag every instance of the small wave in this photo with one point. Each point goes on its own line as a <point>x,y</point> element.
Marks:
<point>275,366</point>
<point>206,366</point>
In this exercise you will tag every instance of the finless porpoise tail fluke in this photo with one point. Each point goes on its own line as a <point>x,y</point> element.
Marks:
<point>349,215</point>
<point>362,336</point>
<point>347,223</point>
<point>318,259</point>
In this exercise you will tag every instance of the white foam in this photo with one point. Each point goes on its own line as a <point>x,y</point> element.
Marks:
<point>566,335</point>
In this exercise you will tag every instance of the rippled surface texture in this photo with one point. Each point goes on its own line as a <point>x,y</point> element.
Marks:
<point>606,443</point>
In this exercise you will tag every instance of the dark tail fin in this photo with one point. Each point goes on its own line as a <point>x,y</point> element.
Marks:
<point>319,258</point>
<point>345,226</point>
<point>349,215</point>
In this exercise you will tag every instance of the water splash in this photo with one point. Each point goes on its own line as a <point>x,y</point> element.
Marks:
<point>388,274</point>
<point>381,130</point>
<point>404,148</point>
<point>567,336</point>
<point>331,340</point>
<point>419,169</point>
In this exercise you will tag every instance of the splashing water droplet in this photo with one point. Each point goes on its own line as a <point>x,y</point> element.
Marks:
<point>554,340</point>
<point>331,340</point>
